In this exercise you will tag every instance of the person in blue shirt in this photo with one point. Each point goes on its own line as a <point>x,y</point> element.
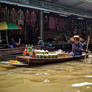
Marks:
<point>77,46</point>
<point>50,44</point>
<point>41,42</point>
<point>13,44</point>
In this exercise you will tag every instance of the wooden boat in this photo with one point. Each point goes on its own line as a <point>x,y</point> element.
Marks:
<point>8,51</point>
<point>28,60</point>
<point>8,64</point>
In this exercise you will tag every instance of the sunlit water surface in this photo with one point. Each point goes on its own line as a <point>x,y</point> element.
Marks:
<point>75,76</point>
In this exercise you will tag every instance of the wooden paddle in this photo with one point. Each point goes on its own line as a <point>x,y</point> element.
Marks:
<point>87,46</point>
<point>87,43</point>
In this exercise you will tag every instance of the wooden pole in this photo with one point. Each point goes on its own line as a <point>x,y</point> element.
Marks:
<point>0,35</point>
<point>41,24</point>
<point>7,38</point>
<point>41,21</point>
<point>87,46</point>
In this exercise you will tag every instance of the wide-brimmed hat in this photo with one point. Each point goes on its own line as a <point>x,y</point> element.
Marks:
<point>76,36</point>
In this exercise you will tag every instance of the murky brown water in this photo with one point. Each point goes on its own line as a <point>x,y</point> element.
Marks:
<point>63,77</point>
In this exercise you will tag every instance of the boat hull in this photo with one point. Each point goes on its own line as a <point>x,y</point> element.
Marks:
<point>11,51</point>
<point>28,60</point>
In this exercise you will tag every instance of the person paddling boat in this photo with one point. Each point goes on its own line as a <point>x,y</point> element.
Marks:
<point>77,46</point>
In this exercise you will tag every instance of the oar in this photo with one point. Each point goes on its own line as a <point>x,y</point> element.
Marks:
<point>87,43</point>
<point>87,46</point>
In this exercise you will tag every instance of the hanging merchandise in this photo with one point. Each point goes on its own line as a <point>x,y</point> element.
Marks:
<point>28,28</point>
<point>33,19</point>
<point>52,23</point>
<point>20,17</point>
<point>27,17</point>
<point>13,16</point>
<point>6,14</point>
<point>36,29</point>
<point>46,23</point>
<point>57,24</point>
<point>2,14</point>
<point>72,23</point>
<point>62,24</point>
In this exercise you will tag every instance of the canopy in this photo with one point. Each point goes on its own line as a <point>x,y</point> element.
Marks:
<point>9,26</point>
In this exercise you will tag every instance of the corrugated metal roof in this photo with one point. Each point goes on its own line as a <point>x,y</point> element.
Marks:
<point>76,7</point>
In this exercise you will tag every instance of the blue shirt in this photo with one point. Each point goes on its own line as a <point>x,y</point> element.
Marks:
<point>41,43</point>
<point>13,44</point>
<point>50,44</point>
<point>77,49</point>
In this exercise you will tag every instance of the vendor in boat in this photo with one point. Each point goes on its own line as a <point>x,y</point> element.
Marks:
<point>14,44</point>
<point>77,46</point>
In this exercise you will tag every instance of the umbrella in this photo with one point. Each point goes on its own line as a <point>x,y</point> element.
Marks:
<point>8,26</point>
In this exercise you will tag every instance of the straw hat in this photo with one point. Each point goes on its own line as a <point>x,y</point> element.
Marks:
<point>76,36</point>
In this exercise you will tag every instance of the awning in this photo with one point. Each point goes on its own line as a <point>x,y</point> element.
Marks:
<point>9,26</point>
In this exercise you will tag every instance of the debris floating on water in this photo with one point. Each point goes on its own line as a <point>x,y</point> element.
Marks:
<point>81,84</point>
<point>46,81</point>
<point>37,74</point>
<point>90,56</point>
<point>45,73</point>
<point>88,76</point>
<point>78,91</point>
<point>87,87</point>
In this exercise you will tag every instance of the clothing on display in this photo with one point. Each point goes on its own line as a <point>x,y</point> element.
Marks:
<point>2,14</point>
<point>52,23</point>
<point>13,16</point>
<point>20,17</point>
<point>27,17</point>
<point>6,13</point>
<point>33,19</point>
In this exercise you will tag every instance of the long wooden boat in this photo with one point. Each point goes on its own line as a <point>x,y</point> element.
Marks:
<point>8,51</point>
<point>28,60</point>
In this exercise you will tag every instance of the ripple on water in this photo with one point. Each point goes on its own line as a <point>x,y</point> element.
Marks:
<point>10,83</point>
<point>55,76</point>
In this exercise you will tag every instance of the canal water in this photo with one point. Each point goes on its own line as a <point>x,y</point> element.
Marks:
<point>75,76</point>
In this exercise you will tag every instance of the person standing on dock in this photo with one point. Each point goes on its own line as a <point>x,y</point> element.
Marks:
<point>77,46</point>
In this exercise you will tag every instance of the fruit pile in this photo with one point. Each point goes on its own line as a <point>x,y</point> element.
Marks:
<point>34,53</point>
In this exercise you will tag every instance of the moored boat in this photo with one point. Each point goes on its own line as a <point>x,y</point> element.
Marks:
<point>8,51</point>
